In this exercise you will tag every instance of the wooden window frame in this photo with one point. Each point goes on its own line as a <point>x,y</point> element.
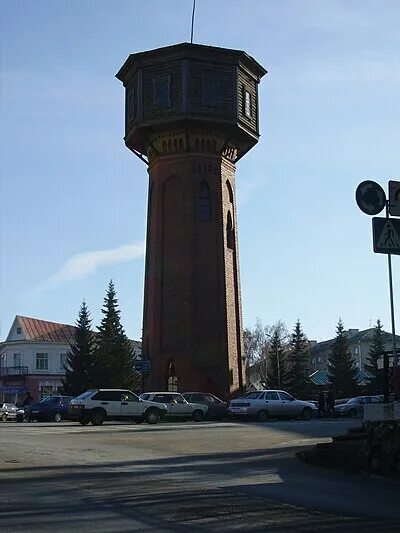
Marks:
<point>246,92</point>
<point>162,79</point>
<point>213,103</point>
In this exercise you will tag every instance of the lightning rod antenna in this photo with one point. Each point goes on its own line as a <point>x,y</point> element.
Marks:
<point>191,33</point>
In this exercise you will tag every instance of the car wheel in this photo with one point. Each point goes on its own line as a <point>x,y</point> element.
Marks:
<point>84,420</point>
<point>4,417</point>
<point>97,418</point>
<point>262,416</point>
<point>352,413</point>
<point>152,416</point>
<point>57,417</point>
<point>307,414</point>
<point>197,416</point>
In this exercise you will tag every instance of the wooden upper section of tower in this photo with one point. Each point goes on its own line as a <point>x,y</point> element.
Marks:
<point>191,86</point>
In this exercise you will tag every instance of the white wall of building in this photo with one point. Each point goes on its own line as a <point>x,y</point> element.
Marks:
<point>26,354</point>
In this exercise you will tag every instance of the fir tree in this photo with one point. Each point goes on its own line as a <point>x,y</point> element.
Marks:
<point>276,364</point>
<point>113,361</point>
<point>299,383</point>
<point>78,366</point>
<point>342,370</point>
<point>375,353</point>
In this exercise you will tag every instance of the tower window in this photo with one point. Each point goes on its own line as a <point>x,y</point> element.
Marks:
<point>211,91</point>
<point>247,103</point>
<point>230,234</point>
<point>230,191</point>
<point>162,91</point>
<point>203,203</point>
<point>131,102</point>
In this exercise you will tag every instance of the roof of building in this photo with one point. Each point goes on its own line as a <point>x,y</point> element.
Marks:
<point>320,377</point>
<point>353,338</point>
<point>36,330</point>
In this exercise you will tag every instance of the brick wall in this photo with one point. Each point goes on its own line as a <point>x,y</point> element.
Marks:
<point>192,312</point>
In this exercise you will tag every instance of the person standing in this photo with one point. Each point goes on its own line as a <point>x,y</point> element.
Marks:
<point>331,403</point>
<point>27,400</point>
<point>321,404</point>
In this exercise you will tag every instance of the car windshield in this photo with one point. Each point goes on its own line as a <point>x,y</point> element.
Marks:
<point>353,400</point>
<point>85,395</point>
<point>245,395</point>
<point>49,399</point>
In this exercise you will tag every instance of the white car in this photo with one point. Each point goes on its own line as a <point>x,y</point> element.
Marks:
<point>177,406</point>
<point>97,405</point>
<point>8,411</point>
<point>271,403</point>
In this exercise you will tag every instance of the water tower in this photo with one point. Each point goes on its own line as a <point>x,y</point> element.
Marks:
<point>191,114</point>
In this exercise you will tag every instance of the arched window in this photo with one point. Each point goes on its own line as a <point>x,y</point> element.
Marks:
<point>203,203</point>
<point>230,191</point>
<point>172,378</point>
<point>230,233</point>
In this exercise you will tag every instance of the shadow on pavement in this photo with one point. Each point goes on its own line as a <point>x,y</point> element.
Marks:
<point>248,491</point>
<point>312,429</point>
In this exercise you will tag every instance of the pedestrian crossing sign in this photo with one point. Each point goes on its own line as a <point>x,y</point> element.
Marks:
<point>386,235</point>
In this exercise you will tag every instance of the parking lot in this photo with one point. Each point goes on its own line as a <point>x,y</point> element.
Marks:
<point>217,476</point>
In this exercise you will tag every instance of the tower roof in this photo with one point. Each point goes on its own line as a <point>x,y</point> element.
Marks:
<point>195,51</point>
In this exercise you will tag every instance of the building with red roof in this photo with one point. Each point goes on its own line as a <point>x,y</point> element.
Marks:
<point>33,358</point>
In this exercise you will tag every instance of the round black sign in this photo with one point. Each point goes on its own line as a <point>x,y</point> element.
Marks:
<point>370,197</point>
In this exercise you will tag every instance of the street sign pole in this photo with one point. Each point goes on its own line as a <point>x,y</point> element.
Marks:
<point>389,256</point>
<point>371,199</point>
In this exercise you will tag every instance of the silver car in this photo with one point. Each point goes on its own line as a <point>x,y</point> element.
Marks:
<point>271,404</point>
<point>177,406</point>
<point>8,411</point>
<point>355,406</point>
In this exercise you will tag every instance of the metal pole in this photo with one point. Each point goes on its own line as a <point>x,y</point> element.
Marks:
<point>393,326</point>
<point>392,315</point>
<point>191,33</point>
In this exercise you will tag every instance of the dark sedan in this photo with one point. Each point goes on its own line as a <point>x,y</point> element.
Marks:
<point>217,409</point>
<point>355,406</point>
<point>53,408</point>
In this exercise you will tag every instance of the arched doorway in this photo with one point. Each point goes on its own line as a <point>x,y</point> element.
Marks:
<point>172,378</point>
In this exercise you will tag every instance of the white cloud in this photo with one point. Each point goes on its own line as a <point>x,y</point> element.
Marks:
<point>81,265</point>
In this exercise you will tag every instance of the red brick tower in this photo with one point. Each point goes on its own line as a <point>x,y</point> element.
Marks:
<point>191,114</point>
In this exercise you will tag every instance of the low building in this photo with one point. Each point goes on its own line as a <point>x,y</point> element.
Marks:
<point>33,358</point>
<point>359,346</point>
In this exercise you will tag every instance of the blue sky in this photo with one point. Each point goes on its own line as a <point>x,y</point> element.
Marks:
<point>73,198</point>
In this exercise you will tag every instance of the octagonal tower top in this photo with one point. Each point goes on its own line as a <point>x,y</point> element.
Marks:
<point>191,86</point>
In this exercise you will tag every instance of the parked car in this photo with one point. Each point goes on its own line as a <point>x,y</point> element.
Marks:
<point>8,411</point>
<point>177,406</point>
<point>97,405</point>
<point>53,408</point>
<point>217,409</point>
<point>21,414</point>
<point>271,404</point>
<point>355,406</point>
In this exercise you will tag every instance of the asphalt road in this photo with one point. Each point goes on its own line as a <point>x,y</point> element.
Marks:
<point>182,477</point>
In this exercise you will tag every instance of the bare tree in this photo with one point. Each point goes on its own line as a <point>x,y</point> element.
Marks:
<point>266,353</point>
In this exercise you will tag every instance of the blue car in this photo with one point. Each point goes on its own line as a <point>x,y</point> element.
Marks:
<point>54,408</point>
